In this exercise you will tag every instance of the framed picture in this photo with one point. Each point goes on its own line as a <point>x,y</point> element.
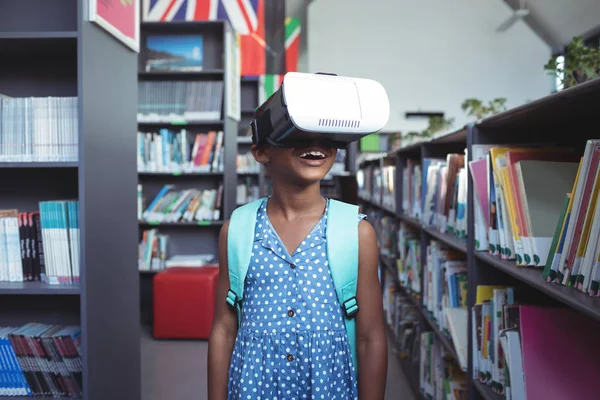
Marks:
<point>120,18</point>
<point>174,52</point>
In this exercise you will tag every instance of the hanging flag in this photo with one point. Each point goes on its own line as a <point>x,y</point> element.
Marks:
<point>292,43</point>
<point>180,10</point>
<point>267,85</point>
<point>253,45</point>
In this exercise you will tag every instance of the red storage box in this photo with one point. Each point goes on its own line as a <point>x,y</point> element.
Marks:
<point>184,302</point>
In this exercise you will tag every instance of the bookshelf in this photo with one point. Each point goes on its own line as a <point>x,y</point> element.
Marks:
<point>84,63</point>
<point>196,235</point>
<point>561,120</point>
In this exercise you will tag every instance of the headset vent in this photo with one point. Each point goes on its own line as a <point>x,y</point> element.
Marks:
<point>339,123</point>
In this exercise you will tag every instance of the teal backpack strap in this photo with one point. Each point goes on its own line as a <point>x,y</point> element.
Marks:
<point>342,253</point>
<point>240,238</point>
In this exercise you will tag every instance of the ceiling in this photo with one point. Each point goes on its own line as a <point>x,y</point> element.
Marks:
<point>557,21</point>
<point>296,8</point>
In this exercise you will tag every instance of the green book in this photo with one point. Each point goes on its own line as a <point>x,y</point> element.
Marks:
<point>555,239</point>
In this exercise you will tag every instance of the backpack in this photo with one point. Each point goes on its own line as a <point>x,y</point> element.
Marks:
<point>342,254</point>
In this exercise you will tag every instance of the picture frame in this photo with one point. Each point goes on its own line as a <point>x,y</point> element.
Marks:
<point>120,18</point>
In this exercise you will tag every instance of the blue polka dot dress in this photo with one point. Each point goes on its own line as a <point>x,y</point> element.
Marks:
<point>292,341</point>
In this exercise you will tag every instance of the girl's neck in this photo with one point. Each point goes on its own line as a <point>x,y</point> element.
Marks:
<point>291,202</point>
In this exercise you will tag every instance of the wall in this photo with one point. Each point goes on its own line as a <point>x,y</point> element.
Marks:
<point>429,54</point>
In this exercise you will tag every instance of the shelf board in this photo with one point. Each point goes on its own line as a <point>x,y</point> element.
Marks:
<point>388,262</point>
<point>143,272</point>
<point>36,288</point>
<point>572,104</point>
<point>414,222</point>
<point>533,277</point>
<point>182,224</point>
<point>215,174</point>
<point>217,122</point>
<point>181,74</point>
<point>450,240</point>
<point>39,35</point>
<point>35,164</point>
<point>486,392</point>
<point>446,342</point>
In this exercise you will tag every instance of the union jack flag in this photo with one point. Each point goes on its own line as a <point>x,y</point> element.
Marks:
<point>241,14</point>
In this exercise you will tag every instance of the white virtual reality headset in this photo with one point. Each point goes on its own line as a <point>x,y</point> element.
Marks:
<point>333,109</point>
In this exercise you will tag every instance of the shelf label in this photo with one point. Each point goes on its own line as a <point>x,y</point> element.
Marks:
<point>204,223</point>
<point>179,122</point>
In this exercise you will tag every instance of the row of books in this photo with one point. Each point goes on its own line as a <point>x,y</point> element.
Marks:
<point>408,263</point>
<point>445,289</point>
<point>524,351</point>
<point>39,129</point>
<point>179,101</point>
<point>181,205</point>
<point>40,360</point>
<point>538,206</point>
<point>440,376</point>
<point>153,254</point>
<point>444,194</point>
<point>180,152</point>
<point>388,181</point>
<point>412,180</point>
<point>402,319</point>
<point>369,180</point>
<point>152,250</point>
<point>41,245</point>
<point>247,192</point>
<point>386,228</point>
<point>247,164</point>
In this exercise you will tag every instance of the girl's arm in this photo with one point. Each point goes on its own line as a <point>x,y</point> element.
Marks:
<point>224,329</point>
<point>371,342</point>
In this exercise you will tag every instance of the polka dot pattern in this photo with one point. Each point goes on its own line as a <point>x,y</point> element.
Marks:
<point>292,342</point>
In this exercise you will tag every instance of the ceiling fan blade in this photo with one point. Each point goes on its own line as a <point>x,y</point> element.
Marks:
<point>508,23</point>
<point>516,16</point>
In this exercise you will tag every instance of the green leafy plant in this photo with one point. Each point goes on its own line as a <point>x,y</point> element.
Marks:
<point>475,107</point>
<point>436,124</point>
<point>581,64</point>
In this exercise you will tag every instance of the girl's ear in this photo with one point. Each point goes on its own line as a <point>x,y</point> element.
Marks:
<point>260,154</point>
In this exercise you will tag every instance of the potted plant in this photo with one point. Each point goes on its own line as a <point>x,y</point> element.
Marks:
<point>475,107</point>
<point>582,63</point>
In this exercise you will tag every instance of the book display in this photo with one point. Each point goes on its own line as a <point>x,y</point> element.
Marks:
<point>187,146</point>
<point>67,231</point>
<point>489,252</point>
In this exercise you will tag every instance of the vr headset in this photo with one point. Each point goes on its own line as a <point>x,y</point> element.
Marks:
<point>333,109</point>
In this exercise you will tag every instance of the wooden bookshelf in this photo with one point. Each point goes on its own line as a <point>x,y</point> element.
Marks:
<point>557,119</point>
<point>48,49</point>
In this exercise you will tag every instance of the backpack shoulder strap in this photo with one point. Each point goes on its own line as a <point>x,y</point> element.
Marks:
<point>240,238</point>
<point>342,253</point>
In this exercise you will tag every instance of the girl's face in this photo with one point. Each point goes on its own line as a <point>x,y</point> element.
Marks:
<point>300,165</point>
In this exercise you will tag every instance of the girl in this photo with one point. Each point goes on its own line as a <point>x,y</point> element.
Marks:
<point>292,343</point>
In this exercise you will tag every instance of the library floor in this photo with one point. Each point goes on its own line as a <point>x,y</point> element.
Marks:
<point>176,370</point>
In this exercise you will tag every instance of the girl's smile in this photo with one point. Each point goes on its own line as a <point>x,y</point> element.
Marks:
<point>313,156</point>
